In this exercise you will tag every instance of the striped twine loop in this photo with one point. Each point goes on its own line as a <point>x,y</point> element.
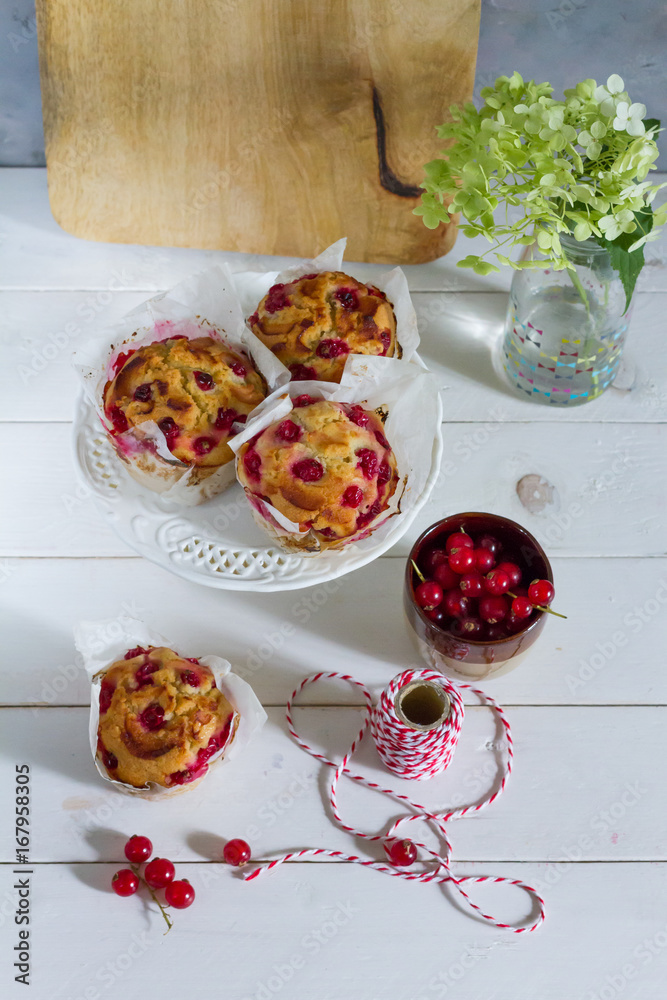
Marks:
<point>417,755</point>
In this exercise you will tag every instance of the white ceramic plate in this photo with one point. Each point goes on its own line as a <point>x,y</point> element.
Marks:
<point>217,543</point>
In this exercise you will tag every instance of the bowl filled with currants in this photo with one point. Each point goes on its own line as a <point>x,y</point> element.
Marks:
<point>478,590</point>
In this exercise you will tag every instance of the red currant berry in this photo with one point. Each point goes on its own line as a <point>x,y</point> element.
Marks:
<point>445,576</point>
<point>472,628</point>
<point>125,883</point>
<point>401,853</point>
<point>513,624</point>
<point>493,609</point>
<point>203,380</point>
<point>472,584</point>
<point>436,615</point>
<point>495,632</point>
<point>484,560</point>
<point>541,592</point>
<point>138,849</point>
<point>159,872</point>
<point>521,607</point>
<point>236,852</point>
<point>490,543</point>
<point>459,540</point>
<point>497,582</point>
<point>513,571</point>
<point>433,559</point>
<point>179,894</point>
<point>428,594</point>
<point>456,604</point>
<point>461,560</point>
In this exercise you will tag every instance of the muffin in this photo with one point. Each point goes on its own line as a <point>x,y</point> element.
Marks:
<point>162,719</point>
<point>194,390</point>
<point>314,322</point>
<point>327,468</point>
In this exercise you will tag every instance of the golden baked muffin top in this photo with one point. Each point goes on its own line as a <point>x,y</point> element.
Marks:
<point>313,323</point>
<point>161,718</point>
<point>327,466</point>
<point>194,390</point>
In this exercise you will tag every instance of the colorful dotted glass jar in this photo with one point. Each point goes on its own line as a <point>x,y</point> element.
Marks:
<point>565,330</point>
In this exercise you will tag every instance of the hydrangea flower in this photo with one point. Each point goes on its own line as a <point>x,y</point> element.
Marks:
<point>577,167</point>
<point>629,118</point>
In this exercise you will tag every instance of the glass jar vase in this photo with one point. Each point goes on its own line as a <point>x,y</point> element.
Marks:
<point>565,330</point>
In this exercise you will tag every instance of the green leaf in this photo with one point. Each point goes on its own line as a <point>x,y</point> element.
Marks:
<point>627,263</point>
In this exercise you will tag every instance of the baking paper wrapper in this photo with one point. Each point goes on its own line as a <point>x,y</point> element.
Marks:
<point>252,286</point>
<point>204,305</point>
<point>102,643</point>
<point>407,393</point>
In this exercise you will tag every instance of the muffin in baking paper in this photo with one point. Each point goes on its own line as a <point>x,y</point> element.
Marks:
<point>327,467</point>
<point>195,389</point>
<point>160,720</point>
<point>174,380</point>
<point>402,405</point>
<point>314,322</point>
<point>316,316</point>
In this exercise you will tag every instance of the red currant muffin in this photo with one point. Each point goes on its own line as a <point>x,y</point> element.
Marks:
<point>327,467</point>
<point>194,390</point>
<point>314,322</point>
<point>161,719</point>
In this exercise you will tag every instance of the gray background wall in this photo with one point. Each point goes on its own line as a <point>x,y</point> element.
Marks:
<point>562,41</point>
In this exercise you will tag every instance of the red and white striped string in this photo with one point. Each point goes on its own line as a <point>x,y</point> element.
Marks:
<point>410,754</point>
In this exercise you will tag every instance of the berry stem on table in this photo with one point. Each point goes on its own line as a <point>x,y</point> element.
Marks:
<point>164,913</point>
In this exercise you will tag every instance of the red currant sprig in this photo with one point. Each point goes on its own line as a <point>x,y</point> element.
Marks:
<point>158,874</point>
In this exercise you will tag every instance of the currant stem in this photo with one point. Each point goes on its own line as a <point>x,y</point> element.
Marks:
<point>541,607</point>
<point>418,571</point>
<point>164,913</point>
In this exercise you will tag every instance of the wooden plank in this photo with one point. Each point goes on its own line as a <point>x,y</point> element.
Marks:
<point>157,131</point>
<point>321,932</point>
<point>576,488</point>
<point>609,651</point>
<point>607,810</point>
<point>36,254</point>
<point>40,330</point>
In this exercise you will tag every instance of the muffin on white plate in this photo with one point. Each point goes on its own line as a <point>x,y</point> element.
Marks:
<point>326,469</point>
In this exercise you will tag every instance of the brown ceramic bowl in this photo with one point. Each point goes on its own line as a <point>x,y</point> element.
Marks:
<point>457,655</point>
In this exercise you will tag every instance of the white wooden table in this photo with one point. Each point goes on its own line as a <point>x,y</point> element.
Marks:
<point>583,818</point>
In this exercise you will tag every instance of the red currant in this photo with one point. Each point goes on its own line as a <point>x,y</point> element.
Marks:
<point>484,560</point>
<point>490,543</point>
<point>513,624</point>
<point>159,872</point>
<point>497,582</point>
<point>493,609</point>
<point>445,576</point>
<point>179,894</point>
<point>236,852</point>
<point>472,628</point>
<point>138,849</point>
<point>456,604</point>
<point>401,853</point>
<point>521,607</point>
<point>436,615</point>
<point>459,540</point>
<point>125,883</point>
<point>434,558</point>
<point>513,572</point>
<point>461,560</point>
<point>428,594</point>
<point>541,592</point>
<point>472,584</point>
<point>495,632</point>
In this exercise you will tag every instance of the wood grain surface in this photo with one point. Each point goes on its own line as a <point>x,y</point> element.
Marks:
<point>262,126</point>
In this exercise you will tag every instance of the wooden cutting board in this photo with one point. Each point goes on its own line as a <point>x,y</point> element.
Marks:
<point>264,126</point>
